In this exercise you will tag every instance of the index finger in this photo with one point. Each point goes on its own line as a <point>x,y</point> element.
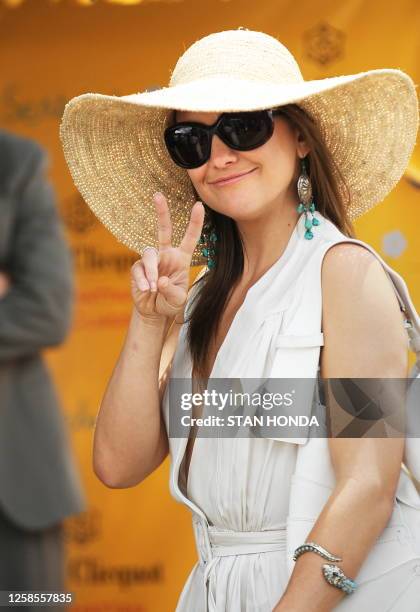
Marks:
<point>164,221</point>
<point>193,231</point>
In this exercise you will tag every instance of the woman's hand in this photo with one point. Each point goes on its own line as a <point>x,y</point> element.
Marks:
<point>159,282</point>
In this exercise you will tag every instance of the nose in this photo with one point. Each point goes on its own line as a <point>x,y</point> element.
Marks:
<point>221,155</point>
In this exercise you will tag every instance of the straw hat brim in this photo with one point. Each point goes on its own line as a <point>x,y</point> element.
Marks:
<point>117,157</point>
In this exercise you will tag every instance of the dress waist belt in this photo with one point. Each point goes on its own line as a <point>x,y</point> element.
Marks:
<point>213,543</point>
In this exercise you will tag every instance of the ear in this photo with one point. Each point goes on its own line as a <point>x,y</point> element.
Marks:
<point>302,148</point>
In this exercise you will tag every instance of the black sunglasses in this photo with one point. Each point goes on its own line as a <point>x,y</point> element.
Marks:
<point>189,142</point>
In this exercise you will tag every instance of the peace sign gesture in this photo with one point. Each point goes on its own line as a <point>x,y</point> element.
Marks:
<point>159,280</point>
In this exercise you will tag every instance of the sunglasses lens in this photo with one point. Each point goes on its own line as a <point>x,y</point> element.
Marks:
<point>187,145</point>
<point>246,131</point>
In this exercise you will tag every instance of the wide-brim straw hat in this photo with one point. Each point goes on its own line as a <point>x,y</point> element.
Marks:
<point>116,153</point>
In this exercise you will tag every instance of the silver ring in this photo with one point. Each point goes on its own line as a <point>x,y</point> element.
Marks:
<point>149,247</point>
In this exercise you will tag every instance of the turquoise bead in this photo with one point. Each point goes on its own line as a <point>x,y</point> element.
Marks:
<point>213,237</point>
<point>312,207</point>
<point>308,223</point>
<point>301,208</point>
<point>205,252</point>
<point>309,235</point>
<point>315,221</point>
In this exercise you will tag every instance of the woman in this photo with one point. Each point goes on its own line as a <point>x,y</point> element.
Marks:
<point>283,166</point>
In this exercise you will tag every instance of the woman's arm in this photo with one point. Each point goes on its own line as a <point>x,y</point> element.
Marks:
<point>125,450</point>
<point>363,338</point>
<point>130,438</point>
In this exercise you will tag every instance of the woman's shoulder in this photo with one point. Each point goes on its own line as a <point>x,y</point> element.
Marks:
<point>341,252</point>
<point>351,272</point>
<point>344,259</point>
<point>362,321</point>
<point>354,272</point>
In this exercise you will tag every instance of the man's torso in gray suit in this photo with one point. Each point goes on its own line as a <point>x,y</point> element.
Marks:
<point>39,482</point>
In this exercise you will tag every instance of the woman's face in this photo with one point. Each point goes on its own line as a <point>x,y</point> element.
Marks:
<point>272,171</point>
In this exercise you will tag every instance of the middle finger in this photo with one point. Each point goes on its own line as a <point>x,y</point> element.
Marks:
<point>194,228</point>
<point>164,221</point>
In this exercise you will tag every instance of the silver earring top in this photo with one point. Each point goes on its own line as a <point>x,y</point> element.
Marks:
<point>304,186</point>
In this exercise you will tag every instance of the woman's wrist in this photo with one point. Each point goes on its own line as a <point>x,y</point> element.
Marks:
<point>157,324</point>
<point>156,320</point>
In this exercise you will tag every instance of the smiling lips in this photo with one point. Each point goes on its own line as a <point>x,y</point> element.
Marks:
<point>235,179</point>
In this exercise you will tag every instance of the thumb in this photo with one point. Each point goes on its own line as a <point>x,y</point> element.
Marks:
<point>174,295</point>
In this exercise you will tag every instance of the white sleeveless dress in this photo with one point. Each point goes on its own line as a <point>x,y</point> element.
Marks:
<point>238,489</point>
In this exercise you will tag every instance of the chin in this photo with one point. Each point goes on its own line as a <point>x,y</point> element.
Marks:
<point>246,211</point>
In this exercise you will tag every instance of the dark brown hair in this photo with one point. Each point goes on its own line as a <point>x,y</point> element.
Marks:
<point>209,302</point>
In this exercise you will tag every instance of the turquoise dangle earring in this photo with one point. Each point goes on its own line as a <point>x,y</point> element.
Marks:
<point>306,204</point>
<point>208,241</point>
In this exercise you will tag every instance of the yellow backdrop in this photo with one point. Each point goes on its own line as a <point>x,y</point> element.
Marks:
<point>133,549</point>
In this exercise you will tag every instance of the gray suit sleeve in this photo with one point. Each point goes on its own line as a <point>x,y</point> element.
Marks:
<point>36,312</point>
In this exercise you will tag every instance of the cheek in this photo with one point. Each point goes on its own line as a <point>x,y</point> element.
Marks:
<point>280,162</point>
<point>196,177</point>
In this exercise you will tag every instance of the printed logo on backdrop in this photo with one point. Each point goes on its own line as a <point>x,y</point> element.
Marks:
<point>17,107</point>
<point>77,215</point>
<point>81,418</point>
<point>83,528</point>
<point>89,257</point>
<point>94,571</point>
<point>324,44</point>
